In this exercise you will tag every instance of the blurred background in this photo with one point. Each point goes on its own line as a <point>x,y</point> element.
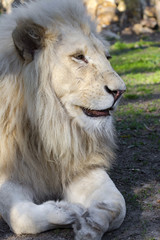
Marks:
<point>116,17</point>
<point>125,17</point>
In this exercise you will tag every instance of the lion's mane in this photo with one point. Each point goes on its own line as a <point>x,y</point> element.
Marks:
<point>40,144</point>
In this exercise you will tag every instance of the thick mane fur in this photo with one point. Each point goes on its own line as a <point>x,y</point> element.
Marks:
<point>40,144</point>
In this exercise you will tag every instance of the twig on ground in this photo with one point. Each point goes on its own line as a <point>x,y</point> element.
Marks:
<point>149,129</point>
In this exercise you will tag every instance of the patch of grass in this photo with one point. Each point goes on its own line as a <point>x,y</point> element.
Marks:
<point>136,58</point>
<point>139,66</point>
<point>131,96</point>
<point>119,45</point>
<point>145,193</point>
<point>132,199</point>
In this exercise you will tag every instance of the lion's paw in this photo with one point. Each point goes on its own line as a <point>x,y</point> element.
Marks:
<point>86,228</point>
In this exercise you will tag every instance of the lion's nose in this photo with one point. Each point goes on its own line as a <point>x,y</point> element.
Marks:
<point>116,93</point>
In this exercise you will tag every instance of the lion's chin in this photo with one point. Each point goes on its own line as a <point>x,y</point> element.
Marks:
<point>97,113</point>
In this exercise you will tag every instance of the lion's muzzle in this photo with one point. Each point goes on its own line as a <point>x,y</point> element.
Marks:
<point>115,93</point>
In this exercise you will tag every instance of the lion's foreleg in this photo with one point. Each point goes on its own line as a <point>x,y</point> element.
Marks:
<point>24,216</point>
<point>105,205</point>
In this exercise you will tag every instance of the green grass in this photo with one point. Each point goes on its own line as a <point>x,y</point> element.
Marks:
<point>139,66</point>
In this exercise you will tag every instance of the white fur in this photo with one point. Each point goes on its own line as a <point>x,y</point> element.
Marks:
<point>105,205</point>
<point>49,149</point>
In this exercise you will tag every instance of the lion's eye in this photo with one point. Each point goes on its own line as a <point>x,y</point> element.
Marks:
<point>80,57</point>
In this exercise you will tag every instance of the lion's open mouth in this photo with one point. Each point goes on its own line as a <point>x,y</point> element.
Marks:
<point>97,113</point>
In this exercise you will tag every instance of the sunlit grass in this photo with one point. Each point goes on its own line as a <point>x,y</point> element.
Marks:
<point>139,66</point>
<point>137,62</point>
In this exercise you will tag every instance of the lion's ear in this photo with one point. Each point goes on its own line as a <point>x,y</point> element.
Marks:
<point>27,38</point>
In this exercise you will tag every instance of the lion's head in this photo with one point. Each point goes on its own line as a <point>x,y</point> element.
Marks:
<point>59,80</point>
<point>82,77</point>
<point>90,88</point>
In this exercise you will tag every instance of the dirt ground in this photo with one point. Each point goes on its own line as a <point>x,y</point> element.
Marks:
<point>137,175</point>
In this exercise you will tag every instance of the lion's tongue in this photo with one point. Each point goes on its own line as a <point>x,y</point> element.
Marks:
<point>96,113</point>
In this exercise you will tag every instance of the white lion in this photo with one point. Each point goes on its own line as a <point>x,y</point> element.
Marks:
<point>57,95</point>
